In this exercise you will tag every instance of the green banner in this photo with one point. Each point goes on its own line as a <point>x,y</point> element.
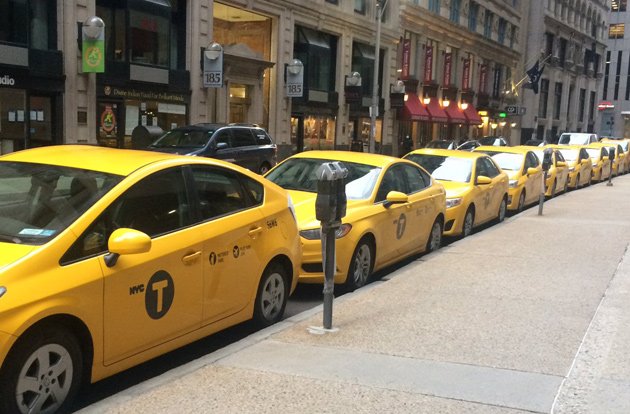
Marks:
<point>93,56</point>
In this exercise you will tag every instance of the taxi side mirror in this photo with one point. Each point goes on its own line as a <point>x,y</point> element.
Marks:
<point>584,162</point>
<point>532,170</point>
<point>396,197</point>
<point>126,241</point>
<point>561,164</point>
<point>483,180</point>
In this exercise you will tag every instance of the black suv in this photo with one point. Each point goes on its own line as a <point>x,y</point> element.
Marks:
<point>247,145</point>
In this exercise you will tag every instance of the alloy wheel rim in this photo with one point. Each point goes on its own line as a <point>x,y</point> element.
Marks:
<point>273,296</point>
<point>468,223</point>
<point>436,236</point>
<point>502,210</point>
<point>45,380</point>
<point>362,263</point>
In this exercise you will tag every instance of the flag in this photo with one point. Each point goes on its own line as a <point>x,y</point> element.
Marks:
<point>534,76</point>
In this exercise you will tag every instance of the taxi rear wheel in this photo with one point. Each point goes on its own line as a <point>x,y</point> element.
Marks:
<point>360,265</point>
<point>42,373</point>
<point>566,185</point>
<point>469,222</point>
<point>272,296</point>
<point>435,237</point>
<point>502,210</point>
<point>521,202</point>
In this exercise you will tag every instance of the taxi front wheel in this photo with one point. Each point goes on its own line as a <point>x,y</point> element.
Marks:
<point>42,373</point>
<point>272,296</point>
<point>360,266</point>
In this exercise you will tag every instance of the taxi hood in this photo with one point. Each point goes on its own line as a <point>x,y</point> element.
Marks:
<point>11,252</point>
<point>455,188</point>
<point>304,203</point>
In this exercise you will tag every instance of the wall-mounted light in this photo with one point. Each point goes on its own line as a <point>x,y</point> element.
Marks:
<point>406,97</point>
<point>354,79</point>
<point>513,124</point>
<point>445,103</point>
<point>464,105</point>
<point>502,123</point>
<point>398,87</point>
<point>480,126</point>
<point>93,27</point>
<point>295,67</point>
<point>426,100</point>
<point>494,125</point>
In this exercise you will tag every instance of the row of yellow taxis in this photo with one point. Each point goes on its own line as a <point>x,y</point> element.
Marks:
<point>111,257</point>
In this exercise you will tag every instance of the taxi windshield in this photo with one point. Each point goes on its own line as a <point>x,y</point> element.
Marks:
<point>569,154</point>
<point>301,174</point>
<point>444,168</point>
<point>507,160</point>
<point>594,153</point>
<point>38,201</point>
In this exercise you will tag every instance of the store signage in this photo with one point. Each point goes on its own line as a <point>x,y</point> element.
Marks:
<point>7,80</point>
<point>496,83</point>
<point>466,75</point>
<point>605,105</point>
<point>448,62</point>
<point>483,75</point>
<point>428,64</point>
<point>116,92</point>
<point>515,110</point>
<point>406,55</point>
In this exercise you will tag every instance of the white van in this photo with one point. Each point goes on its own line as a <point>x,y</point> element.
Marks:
<point>577,138</point>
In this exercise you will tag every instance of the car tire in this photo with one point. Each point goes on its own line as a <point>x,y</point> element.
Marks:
<point>566,185</point>
<point>272,296</point>
<point>361,266</point>
<point>33,383</point>
<point>553,189</point>
<point>502,210</point>
<point>435,237</point>
<point>521,202</point>
<point>577,182</point>
<point>264,168</point>
<point>469,222</point>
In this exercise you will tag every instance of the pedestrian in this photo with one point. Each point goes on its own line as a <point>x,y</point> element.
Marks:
<point>406,145</point>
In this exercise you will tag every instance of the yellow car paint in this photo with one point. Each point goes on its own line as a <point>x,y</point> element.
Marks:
<point>579,163</point>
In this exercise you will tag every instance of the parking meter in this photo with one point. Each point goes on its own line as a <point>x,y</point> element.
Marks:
<point>611,156</point>
<point>330,208</point>
<point>547,162</point>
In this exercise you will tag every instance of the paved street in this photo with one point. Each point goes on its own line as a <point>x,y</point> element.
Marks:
<point>527,316</point>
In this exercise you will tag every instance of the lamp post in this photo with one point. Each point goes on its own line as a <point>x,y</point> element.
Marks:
<point>380,8</point>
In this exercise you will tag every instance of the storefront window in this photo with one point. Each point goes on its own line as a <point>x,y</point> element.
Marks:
<point>149,38</point>
<point>12,119</point>
<point>319,133</point>
<point>41,121</point>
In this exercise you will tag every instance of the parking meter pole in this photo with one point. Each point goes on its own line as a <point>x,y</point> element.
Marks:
<point>541,198</point>
<point>609,183</point>
<point>328,252</point>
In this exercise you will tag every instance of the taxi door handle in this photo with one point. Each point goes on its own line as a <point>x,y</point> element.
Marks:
<point>189,258</point>
<point>254,232</point>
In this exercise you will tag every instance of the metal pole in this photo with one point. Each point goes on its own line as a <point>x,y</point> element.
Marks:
<point>541,199</point>
<point>377,58</point>
<point>328,249</point>
<point>609,183</point>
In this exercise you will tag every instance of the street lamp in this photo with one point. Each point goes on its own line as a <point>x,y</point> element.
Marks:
<point>380,8</point>
<point>295,67</point>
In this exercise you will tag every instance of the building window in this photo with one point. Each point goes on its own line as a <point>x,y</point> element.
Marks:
<point>149,38</point>
<point>606,76</point>
<point>618,5</point>
<point>360,6</point>
<point>502,30</point>
<point>557,100</point>
<point>548,44</point>
<point>363,62</point>
<point>332,1</point>
<point>487,24</point>
<point>582,103</point>
<point>317,51</point>
<point>628,82</point>
<point>472,16</point>
<point>434,6</point>
<point>616,30</point>
<point>29,23</point>
<point>591,107</point>
<point>544,95</point>
<point>455,7</point>
<point>618,74</point>
<point>562,51</point>
<point>512,37</point>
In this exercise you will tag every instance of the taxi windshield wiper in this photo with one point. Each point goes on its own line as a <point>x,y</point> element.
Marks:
<point>10,239</point>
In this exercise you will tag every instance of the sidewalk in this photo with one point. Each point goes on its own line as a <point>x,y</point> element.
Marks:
<point>531,315</point>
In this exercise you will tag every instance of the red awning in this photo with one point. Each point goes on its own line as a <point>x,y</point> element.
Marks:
<point>436,112</point>
<point>472,115</point>
<point>414,110</point>
<point>455,115</point>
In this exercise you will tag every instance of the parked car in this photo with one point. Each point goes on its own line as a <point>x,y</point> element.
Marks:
<point>580,164</point>
<point>618,160</point>
<point>601,162</point>
<point>111,257</point>
<point>577,138</point>
<point>524,169</point>
<point>625,146</point>
<point>469,145</point>
<point>443,144</point>
<point>535,143</point>
<point>476,188</point>
<point>247,145</point>
<point>558,174</point>
<point>395,209</point>
<point>495,141</point>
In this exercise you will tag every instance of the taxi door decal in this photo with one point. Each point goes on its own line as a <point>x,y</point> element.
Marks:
<point>401,225</point>
<point>159,294</point>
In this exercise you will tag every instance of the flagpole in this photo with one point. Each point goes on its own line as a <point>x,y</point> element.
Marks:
<point>527,76</point>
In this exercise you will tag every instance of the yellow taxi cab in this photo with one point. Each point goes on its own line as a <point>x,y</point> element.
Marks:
<point>579,162</point>
<point>395,209</point>
<point>600,160</point>
<point>476,188</point>
<point>618,162</point>
<point>524,170</point>
<point>111,257</point>
<point>625,146</point>
<point>558,174</point>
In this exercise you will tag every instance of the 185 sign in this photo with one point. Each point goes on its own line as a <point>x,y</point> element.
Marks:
<point>213,79</point>
<point>294,89</point>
